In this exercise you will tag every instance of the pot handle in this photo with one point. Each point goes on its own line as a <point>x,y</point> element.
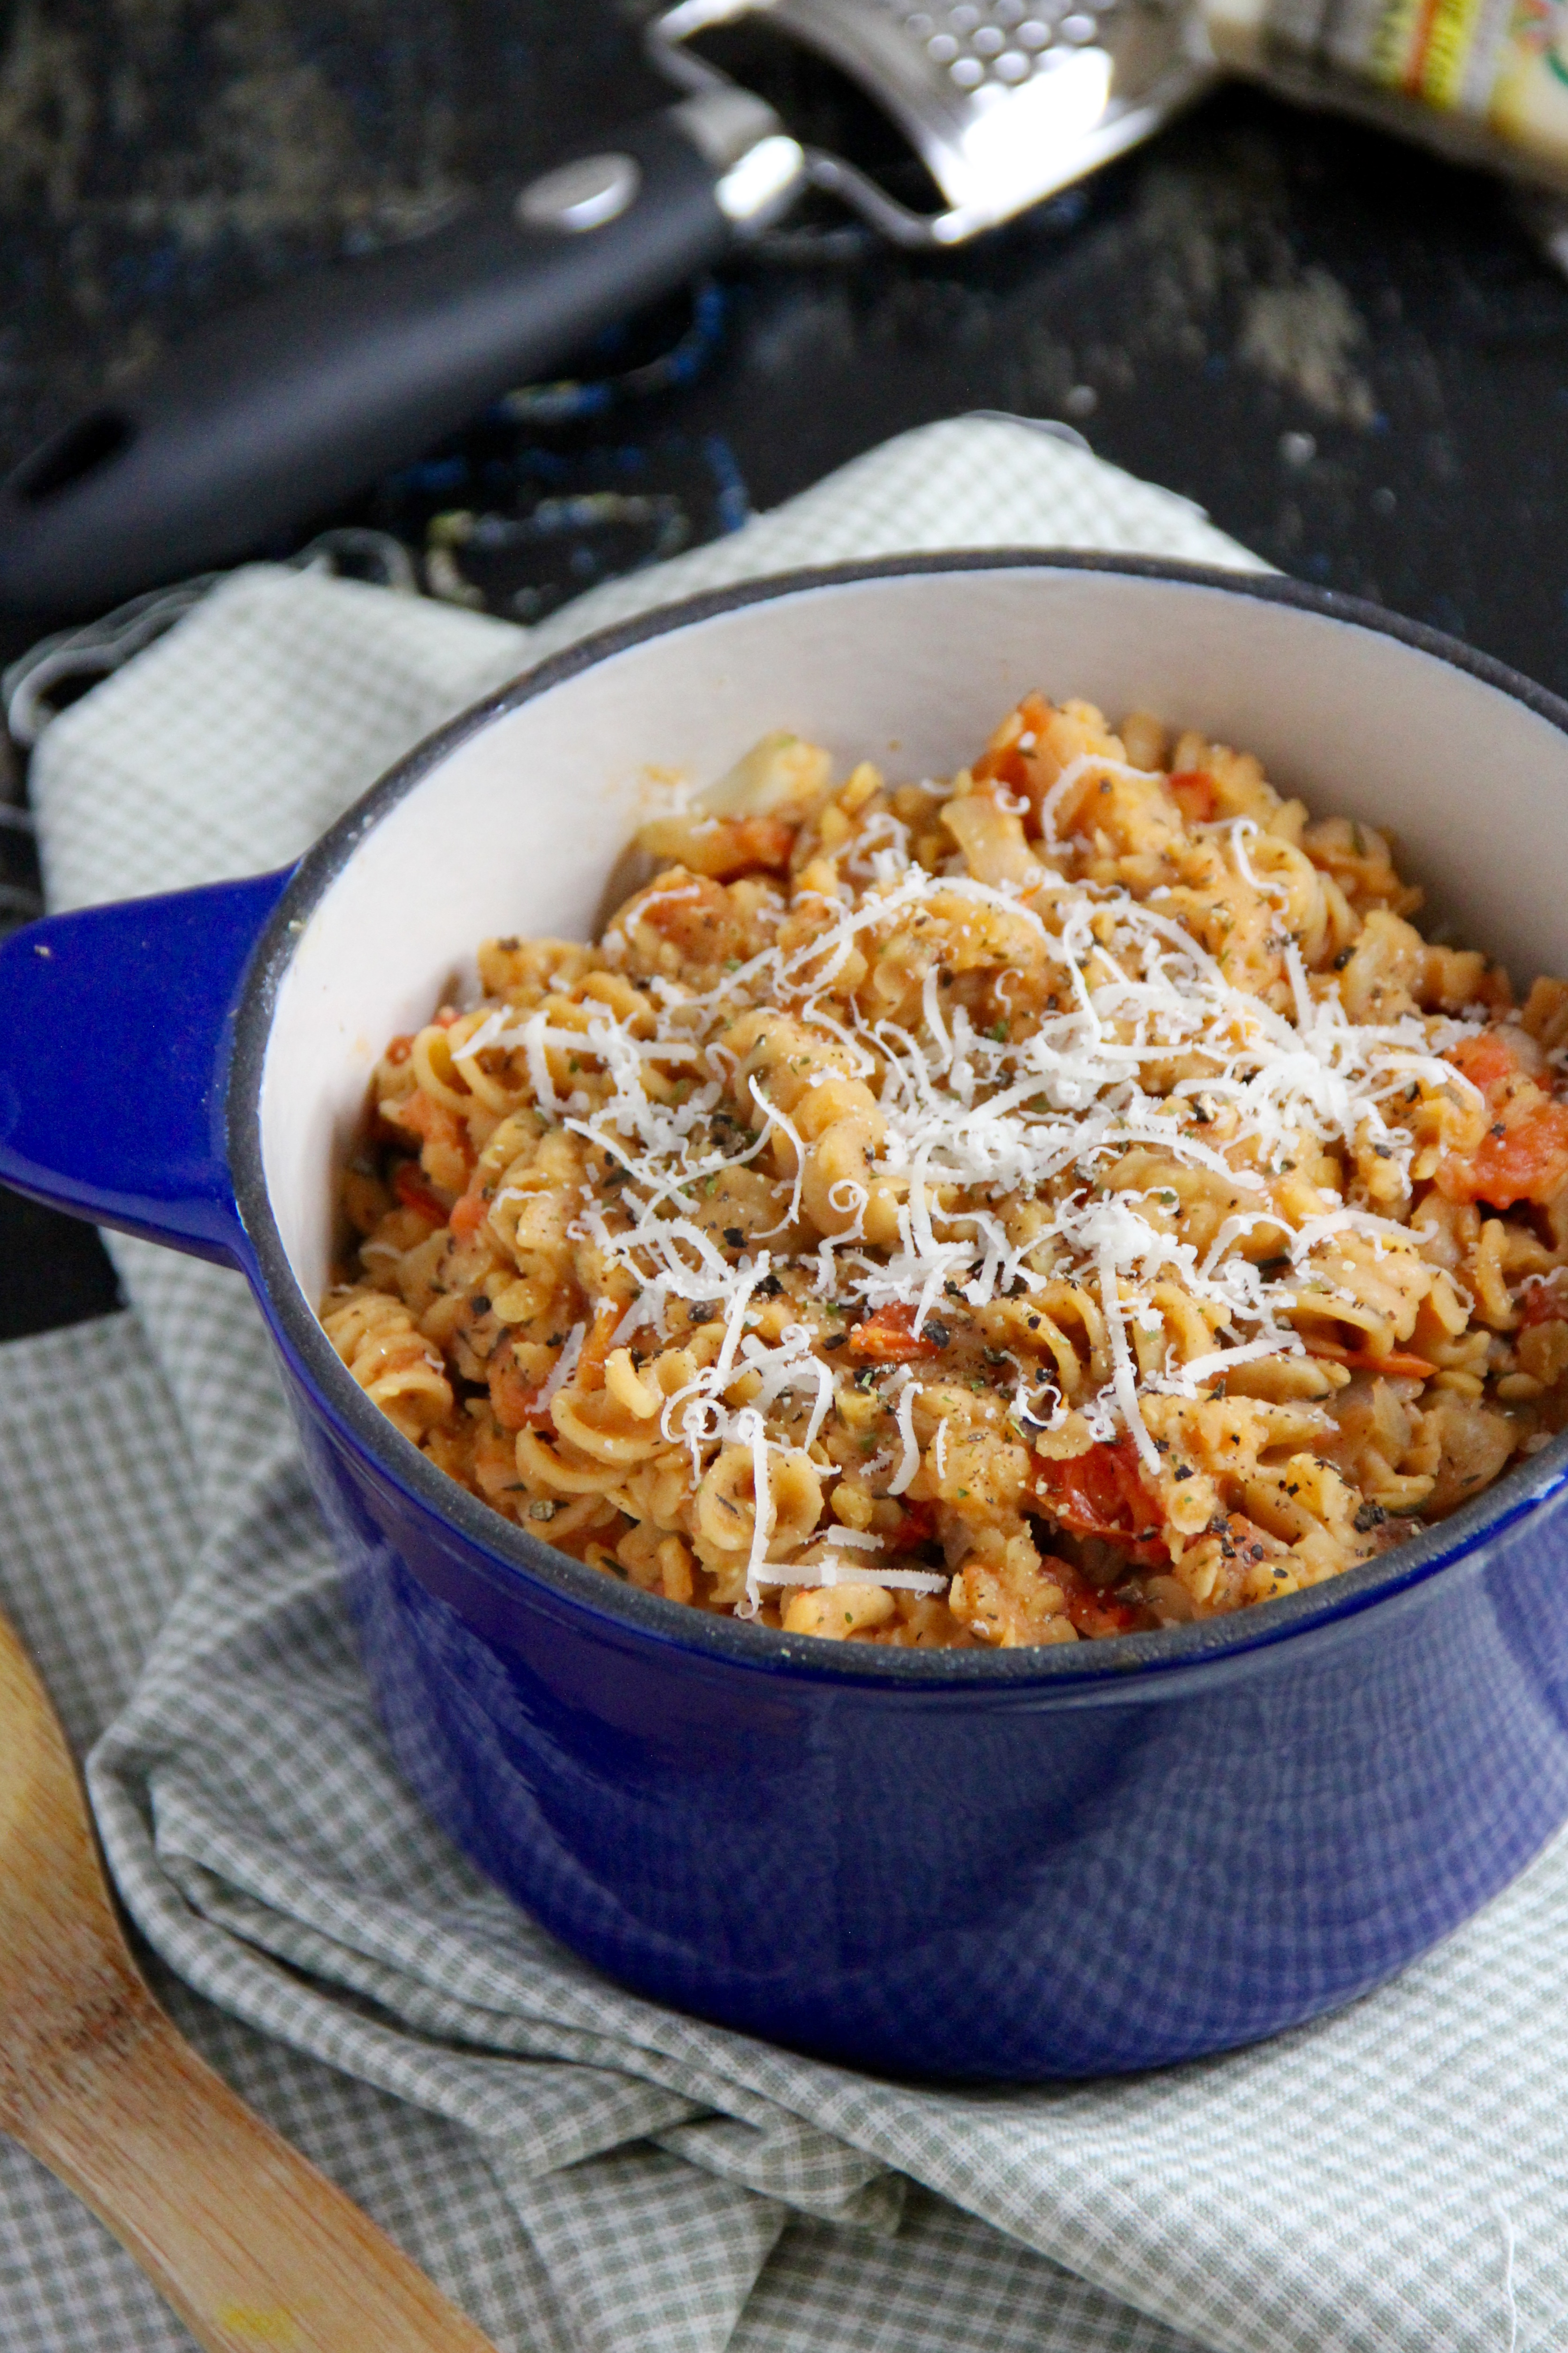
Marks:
<point>116,1031</point>
<point>276,414</point>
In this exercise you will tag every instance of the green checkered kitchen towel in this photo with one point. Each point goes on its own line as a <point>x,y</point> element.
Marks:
<point>585,2171</point>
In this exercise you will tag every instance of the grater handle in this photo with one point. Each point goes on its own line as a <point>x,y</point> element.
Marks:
<point>277,412</point>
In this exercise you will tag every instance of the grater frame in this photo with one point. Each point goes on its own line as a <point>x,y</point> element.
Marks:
<point>1004,101</point>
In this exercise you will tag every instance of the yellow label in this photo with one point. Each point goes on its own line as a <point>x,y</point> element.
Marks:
<point>1452,30</point>
<point>1495,70</point>
<point>1425,47</point>
<point>1396,34</point>
<point>1528,100</point>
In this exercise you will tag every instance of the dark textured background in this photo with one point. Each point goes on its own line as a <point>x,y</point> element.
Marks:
<point>1350,355</point>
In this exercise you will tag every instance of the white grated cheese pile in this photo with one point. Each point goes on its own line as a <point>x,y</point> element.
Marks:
<point>1034,1110</point>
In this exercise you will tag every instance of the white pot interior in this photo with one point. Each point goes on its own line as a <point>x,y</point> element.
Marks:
<point>516,830</point>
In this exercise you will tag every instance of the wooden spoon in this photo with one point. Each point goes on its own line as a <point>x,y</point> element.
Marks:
<point>257,2252</point>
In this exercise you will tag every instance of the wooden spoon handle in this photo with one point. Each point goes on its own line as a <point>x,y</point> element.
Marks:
<point>257,2252</point>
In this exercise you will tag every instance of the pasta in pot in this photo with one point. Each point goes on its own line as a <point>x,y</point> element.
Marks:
<point>1058,1202</point>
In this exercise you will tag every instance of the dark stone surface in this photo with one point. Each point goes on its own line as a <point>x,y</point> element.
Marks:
<point>1350,355</point>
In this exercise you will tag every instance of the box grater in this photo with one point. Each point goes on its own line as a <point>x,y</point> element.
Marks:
<point>1001,102</point>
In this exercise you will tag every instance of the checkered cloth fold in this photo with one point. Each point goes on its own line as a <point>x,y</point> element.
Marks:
<point>585,2171</point>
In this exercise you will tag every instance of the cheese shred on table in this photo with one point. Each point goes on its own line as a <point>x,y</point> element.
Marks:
<point>1060,1201</point>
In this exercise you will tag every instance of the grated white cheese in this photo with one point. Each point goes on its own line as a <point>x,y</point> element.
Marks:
<point>972,1124</point>
<point>826,1564</point>
<point>565,1364</point>
<point>909,1459</point>
<point>750,1429</point>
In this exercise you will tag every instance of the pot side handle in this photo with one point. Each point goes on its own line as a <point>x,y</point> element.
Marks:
<point>116,1030</point>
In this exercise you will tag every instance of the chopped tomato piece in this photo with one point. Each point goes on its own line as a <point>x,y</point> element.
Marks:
<point>1196,794</point>
<point>596,1342</point>
<point>917,1527</point>
<point>1486,1060</point>
<point>735,845</point>
<point>420,1115</point>
<point>1523,1155</point>
<point>889,1337</point>
<point>411,1189</point>
<point>1542,1302</point>
<point>514,1397</point>
<point>448,1155</point>
<point>469,1215</point>
<point>1007,767</point>
<point>1398,1361</point>
<point>1007,761</point>
<point>764,841</point>
<point>1528,1162</point>
<point>1103,1494</point>
<point>517,1400</point>
<point>1094,1613</point>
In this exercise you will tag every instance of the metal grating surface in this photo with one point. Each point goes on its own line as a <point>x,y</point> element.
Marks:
<point>993,48</point>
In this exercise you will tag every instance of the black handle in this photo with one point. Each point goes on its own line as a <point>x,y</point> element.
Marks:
<point>279,411</point>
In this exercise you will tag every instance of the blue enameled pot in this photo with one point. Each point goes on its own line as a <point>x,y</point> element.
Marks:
<point>1014,1864</point>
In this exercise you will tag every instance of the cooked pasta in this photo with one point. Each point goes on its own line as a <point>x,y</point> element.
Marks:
<point>1056,1202</point>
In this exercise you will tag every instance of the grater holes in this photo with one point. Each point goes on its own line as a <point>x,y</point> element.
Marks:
<point>987,47</point>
